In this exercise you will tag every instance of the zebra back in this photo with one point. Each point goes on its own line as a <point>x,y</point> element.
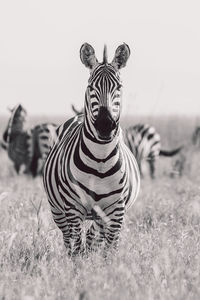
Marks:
<point>143,141</point>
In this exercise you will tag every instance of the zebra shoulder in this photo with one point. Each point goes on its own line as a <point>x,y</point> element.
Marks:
<point>68,126</point>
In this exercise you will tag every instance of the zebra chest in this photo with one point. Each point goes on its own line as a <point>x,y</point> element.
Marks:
<point>100,178</point>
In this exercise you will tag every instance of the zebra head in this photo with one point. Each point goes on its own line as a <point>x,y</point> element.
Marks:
<point>15,124</point>
<point>103,94</point>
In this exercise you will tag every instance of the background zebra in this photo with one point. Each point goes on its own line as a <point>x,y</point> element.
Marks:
<point>44,135</point>
<point>144,142</point>
<point>90,173</point>
<point>27,147</point>
<point>17,141</point>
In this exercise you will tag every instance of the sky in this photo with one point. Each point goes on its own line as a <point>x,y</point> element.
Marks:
<point>40,65</point>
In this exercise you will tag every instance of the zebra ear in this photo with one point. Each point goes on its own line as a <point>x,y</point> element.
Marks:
<point>87,55</point>
<point>121,56</point>
<point>77,112</point>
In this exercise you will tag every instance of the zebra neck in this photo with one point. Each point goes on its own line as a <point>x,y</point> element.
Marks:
<point>15,127</point>
<point>99,151</point>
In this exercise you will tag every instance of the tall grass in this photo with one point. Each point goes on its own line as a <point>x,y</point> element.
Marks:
<point>158,256</point>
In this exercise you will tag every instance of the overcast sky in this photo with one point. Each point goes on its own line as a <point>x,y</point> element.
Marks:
<point>39,53</point>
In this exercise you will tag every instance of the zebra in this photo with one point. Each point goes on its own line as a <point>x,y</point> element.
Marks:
<point>28,147</point>
<point>90,173</point>
<point>44,136</point>
<point>144,142</point>
<point>17,141</point>
<point>196,136</point>
<point>15,124</point>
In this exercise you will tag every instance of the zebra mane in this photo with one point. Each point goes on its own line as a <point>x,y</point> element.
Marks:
<point>10,124</point>
<point>105,55</point>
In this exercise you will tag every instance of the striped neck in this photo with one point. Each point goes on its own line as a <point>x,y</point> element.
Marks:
<point>97,148</point>
<point>89,125</point>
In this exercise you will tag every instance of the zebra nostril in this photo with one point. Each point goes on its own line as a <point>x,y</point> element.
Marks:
<point>104,123</point>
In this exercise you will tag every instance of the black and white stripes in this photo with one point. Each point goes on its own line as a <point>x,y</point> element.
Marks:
<point>43,135</point>
<point>144,142</point>
<point>90,173</point>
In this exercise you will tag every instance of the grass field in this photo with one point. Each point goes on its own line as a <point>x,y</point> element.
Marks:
<point>159,250</point>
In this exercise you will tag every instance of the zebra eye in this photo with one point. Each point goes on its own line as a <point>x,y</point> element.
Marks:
<point>95,108</point>
<point>91,87</point>
<point>117,94</point>
<point>94,103</point>
<point>117,103</point>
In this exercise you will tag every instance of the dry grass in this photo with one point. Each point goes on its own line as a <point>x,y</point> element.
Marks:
<point>158,257</point>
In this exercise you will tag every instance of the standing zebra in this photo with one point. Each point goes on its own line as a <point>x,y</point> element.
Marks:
<point>144,142</point>
<point>90,173</point>
<point>27,147</point>
<point>17,141</point>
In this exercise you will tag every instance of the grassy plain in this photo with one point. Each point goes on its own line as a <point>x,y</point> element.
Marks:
<point>159,253</point>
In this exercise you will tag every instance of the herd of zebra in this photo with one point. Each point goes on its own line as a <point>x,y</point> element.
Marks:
<point>91,167</point>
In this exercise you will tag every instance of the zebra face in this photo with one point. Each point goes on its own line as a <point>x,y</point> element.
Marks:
<point>103,94</point>
<point>104,100</point>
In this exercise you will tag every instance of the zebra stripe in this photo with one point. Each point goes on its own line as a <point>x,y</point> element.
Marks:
<point>144,142</point>
<point>44,135</point>
<point>90,173</point>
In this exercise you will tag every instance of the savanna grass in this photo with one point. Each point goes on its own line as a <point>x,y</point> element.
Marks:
<point>158,256</point>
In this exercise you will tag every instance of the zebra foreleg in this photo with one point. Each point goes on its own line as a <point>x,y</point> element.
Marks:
<point>71,231</point>
<point>95,236</point>
<point>72,239</point>
<point>113,227</point>
<point>112,237</point>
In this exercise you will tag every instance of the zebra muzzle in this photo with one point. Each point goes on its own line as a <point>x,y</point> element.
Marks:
<point>105,124</point>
